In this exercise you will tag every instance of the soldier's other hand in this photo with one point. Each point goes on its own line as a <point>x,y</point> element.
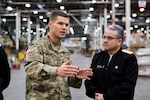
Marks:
<point>84,73</point>
<point>67,70</point>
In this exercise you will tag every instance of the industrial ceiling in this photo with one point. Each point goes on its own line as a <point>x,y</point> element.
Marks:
<point>79,11</point>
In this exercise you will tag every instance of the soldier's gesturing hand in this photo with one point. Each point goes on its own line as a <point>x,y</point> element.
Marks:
<point>67,70</point>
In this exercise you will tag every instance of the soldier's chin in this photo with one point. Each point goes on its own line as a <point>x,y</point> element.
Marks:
<point>62,37</point>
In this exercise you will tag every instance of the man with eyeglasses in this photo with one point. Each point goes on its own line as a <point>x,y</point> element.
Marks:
<point>115,70</point>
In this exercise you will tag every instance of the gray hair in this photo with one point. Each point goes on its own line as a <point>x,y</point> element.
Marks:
<point>119,29</point>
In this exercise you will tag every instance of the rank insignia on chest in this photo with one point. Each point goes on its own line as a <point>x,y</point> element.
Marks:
<point>116,67</point>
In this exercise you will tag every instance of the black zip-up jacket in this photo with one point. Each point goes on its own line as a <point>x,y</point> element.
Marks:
<point>116,80</point>
<point>4,71</point>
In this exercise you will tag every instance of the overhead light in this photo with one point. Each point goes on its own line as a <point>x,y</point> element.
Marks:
<point>138,31</point>
<point>62,7</point>
<point>23,28</point>
<point>93,1</point>
<point>71,30</point>
<point>147,21</point>
<point>91,9</point>
<point>31,22</point>
<point>4,20</point>
<point>110,11</point>
<point>39,6</point>
<point>134,15</point>
<point>86,28</point>
<point>90,15</point>
<point>135,26</point>
<point>31,31</point>
<point>145,31</point>
<point>27,5</point>
<point>24,19</point>
<point>84,38</point>
<point>9,8</point>
<point>131,28</point>
<point>116,4</point>
<point>142,9</point>
<point>108,16</point>
<point>142,29</point>
<point>34,33</point>
<point>59,1</point>
<point>45,20</point>
<point>35,12</point>
<point>41,17</point>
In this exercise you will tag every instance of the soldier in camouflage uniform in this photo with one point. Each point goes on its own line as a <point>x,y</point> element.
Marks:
<point>49,72</point>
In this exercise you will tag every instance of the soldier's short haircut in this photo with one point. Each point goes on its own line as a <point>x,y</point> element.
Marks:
<point>119,29</point>
<point>57,13</point>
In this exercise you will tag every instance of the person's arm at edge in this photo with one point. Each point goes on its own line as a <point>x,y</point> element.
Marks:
<point>6,79</point>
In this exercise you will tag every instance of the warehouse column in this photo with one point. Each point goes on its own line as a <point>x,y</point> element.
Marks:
<point>148,33</point>
<point>18,25</point>
<point>113,12</point>
<point>105,19</point>
<point>16,65</point>
<point>128,10</point>
<point>100,31</point>
<point>29,29</point>
<point>37,29</point>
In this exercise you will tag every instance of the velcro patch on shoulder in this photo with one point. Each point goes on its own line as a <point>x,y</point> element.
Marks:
<point>127,51</point>
<point>30,49</point>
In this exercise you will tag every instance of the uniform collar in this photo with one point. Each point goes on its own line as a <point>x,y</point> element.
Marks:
<point>57,48</point>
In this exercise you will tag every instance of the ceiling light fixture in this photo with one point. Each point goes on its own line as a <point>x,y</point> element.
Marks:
<point>9,8</point>
<point>135,26</point>
<point>27,5</point>
<point>62,7</point>
<point>71,30</point>
<point>93,1</point>
<point>86,28</point>
<point>59,1</point>
<point>134,15</point>
<point>142,9</point>
<point>41,17</point>
<point>91,9</point>
<point>24,19</point>
<point>116,4</point>
<point>35,12</point>
<point>147,21</point>
<point>4,20</point>
<point>45,20</point>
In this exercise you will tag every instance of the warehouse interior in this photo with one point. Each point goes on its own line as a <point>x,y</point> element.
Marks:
<point>88,19</point>
<point>22,21</point>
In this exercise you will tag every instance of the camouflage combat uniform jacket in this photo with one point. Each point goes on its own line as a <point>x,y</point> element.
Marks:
<point>42,59</point>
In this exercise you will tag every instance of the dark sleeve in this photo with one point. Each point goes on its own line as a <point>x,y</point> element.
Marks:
<point>5,70</point>
<point>89,84</point>
<point>126,88</point>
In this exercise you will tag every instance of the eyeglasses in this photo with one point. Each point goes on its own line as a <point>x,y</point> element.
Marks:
<point>109,38</point>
